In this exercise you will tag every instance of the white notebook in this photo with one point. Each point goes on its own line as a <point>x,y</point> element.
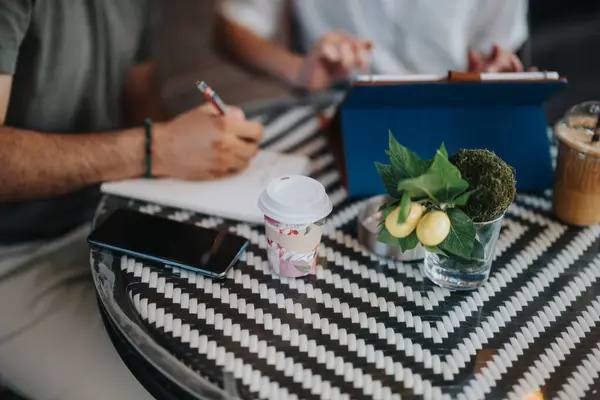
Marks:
<point>234,198</point>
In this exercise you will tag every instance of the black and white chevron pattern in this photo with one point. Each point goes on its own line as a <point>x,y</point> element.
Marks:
<point>368,327</point>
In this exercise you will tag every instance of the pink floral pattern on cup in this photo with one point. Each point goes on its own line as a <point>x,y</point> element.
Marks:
<point>293,249</point>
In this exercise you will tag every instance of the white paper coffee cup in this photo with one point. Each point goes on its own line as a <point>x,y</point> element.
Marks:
<point>295,208</point>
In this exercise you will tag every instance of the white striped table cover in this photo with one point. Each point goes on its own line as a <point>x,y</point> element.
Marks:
<point>365,327</point>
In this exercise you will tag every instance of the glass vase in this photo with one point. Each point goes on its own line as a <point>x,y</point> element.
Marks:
<point>456,273</point>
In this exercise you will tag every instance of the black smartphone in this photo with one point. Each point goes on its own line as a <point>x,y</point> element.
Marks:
<point>207,251</point>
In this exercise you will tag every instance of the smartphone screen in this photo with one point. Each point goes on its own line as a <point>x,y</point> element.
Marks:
<point>207,251</point>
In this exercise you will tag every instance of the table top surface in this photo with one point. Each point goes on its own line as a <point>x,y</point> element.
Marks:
<point>364,326</point>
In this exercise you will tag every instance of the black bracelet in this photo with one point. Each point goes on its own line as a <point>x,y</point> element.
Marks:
<point>148,125</point>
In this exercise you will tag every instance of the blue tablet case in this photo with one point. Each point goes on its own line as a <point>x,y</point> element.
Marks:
<point>505,117</point>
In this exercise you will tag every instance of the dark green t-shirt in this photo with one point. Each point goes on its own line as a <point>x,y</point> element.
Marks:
<point>69,60</point>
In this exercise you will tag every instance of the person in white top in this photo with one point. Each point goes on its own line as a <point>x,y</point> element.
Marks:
<point>341,37</point>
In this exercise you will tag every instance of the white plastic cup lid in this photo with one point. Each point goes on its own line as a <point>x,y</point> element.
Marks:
<point>295,199</point>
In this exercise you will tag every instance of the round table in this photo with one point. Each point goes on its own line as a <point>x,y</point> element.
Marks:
<point>362,326</point>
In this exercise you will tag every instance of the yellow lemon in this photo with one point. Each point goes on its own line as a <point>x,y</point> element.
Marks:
<point>403,230</point>
<point>433,228</point>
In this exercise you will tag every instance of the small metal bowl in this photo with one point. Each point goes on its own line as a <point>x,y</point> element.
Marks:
<point>368,229</point>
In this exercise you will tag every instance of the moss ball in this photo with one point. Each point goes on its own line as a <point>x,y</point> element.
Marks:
<point>492,179</point>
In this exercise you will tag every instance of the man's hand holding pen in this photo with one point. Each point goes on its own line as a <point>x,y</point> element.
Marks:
<point>226,146</point>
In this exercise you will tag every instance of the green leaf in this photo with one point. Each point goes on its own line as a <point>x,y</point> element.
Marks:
<point>388,206</point>
<point>453,184</point>
<point>409,242</point>
<point>426,185</point>
<point>435,250</point>
<point>405,163</point>
<point>387,209</point>
<point>477,256</point>
<point>478,252</point>
<point>441,183</point>
<point>387,238</point>
<point>389,179</point>
<point>405,204</point>
<point>443,150</point>
<point>405,244</point>
<point>460,240</point>
<point>462,199</point>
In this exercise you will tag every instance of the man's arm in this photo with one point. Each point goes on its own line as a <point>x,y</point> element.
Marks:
<point>199,144</point>
<point>34,164</point>
<point>196,145</point>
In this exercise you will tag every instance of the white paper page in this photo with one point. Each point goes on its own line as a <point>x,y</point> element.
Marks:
<point>235,197</point>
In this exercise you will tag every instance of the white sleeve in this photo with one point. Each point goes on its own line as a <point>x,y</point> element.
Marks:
<point>502,22</point>
<point>260,16</point>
